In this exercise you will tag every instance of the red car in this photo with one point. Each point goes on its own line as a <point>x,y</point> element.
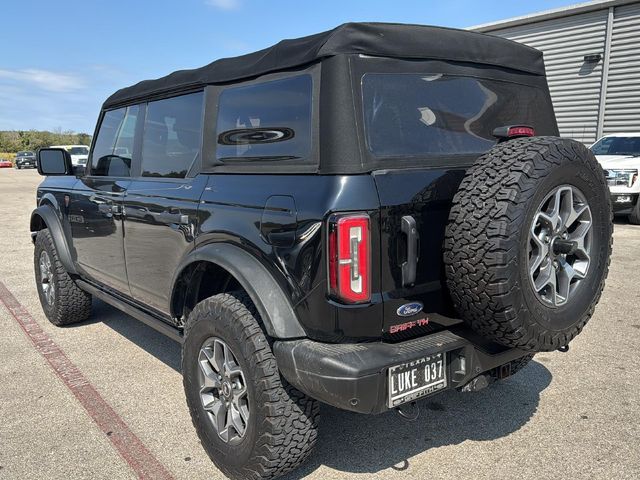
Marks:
<point>5,163</point>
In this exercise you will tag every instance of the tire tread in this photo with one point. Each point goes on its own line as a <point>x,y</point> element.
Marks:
<point>72,304</point>
<point>288,431</point>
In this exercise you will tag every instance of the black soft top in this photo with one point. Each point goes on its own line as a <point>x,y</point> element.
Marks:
<point>376,39</point>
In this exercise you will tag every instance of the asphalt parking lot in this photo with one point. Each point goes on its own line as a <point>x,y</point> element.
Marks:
<point>573,415</point>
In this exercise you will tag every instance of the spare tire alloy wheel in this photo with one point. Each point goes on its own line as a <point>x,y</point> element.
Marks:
<point>559,251</point>
<point>223,390</point>
<point>528,242</point>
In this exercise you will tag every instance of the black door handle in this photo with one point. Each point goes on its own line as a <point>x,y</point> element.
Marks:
<point>409,267</point>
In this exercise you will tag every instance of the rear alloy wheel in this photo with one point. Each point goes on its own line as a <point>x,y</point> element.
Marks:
<point>223,390</point>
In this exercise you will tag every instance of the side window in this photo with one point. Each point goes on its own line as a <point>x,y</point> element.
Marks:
<point>114,145</point>
<point>172,136</point>
<point>265,121</point>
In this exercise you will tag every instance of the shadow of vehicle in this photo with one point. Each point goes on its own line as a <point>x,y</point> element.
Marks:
<point>355,443</point>
<point>145,337</point>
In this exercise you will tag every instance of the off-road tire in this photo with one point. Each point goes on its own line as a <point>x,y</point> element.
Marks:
<point>71,304</point>
<point>282,427</point>
<point>487,236</point>
<point>634,216</point>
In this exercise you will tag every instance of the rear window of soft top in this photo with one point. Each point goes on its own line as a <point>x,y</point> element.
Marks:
<point>409,114</point>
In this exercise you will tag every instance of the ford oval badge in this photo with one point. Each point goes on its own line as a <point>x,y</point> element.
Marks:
<point>409,309</point>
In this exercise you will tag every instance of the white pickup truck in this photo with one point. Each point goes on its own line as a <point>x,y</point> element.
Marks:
<point>619,155</point>
<point>79,153</point>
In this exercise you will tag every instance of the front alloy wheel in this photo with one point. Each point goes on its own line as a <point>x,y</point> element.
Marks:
<point>47,283</point>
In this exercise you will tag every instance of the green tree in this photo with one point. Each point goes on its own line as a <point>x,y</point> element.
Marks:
<point>14,140</point>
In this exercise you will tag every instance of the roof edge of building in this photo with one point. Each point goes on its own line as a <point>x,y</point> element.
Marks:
<point>549,14</point>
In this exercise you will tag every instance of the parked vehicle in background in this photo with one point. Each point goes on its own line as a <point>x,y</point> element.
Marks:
<point>364,217</point>
<point>619,155</point>
<point>25,159</point>
<point>5,163</point>
<point>79,153</point>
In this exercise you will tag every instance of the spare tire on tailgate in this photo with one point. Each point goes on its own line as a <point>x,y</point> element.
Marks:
<point>528,242</point>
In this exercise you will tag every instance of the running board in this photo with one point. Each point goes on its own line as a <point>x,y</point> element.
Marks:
<point>155,323</point>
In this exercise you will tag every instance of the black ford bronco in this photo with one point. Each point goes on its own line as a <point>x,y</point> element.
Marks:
<point>362,217</point>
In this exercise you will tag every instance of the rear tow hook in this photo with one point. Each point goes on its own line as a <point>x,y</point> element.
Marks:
<point>409,411</point>
<point>564,349</point>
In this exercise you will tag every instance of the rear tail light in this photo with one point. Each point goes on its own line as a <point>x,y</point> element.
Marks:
<point>350,258</point>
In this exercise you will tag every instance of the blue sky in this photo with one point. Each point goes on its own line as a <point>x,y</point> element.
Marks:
<point>60,59</point>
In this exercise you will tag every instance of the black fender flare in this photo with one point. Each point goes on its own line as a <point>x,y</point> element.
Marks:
<point>46,214</point>
<point>272,303</point>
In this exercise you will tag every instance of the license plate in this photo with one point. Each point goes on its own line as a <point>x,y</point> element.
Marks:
<point>417,379</point>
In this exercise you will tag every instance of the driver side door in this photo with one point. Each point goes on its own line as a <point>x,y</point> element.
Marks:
<point>96,207</point>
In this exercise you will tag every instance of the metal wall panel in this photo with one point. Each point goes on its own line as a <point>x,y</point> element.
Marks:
<point>622,105</point>
<point>574,84</point>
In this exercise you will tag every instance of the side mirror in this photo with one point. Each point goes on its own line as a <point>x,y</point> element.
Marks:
<point>54,161</point>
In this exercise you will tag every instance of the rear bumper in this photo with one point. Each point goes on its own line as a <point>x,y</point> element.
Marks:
<point>354,376</point>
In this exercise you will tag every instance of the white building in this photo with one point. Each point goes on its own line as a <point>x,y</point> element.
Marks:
<point>592,55</point>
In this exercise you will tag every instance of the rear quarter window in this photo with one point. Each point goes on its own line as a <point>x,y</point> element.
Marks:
<point>265,121</point>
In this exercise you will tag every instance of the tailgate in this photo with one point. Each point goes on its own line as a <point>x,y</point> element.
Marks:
<point>414,211</point>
